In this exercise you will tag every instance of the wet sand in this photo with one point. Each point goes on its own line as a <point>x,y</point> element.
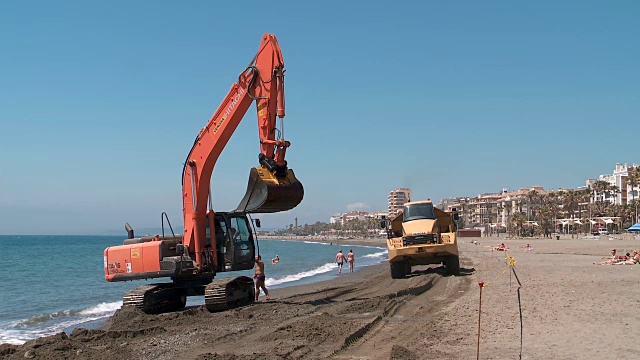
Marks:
<point>571,309</point>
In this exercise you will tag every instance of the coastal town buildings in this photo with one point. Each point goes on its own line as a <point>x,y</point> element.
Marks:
<point>356,215</point>
<point>397,198</point>
<point>492,212</point>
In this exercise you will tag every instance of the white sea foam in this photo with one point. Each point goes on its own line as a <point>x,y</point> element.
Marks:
<point>314,242</point>
<point>305,274</point>
<point>18,332</point>
<point>368,246</point>
<point>375,255</point>
<point>102,309</point>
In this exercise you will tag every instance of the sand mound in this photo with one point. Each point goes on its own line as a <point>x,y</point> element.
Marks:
<point>401,353</point>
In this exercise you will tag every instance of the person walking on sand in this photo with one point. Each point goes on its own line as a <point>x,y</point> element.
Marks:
<point>351,258</point>
<point>340,261</point>
<point>259,277</point>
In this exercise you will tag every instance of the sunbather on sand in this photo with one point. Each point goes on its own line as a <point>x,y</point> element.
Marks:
<point>501,247</point>
<point>611,259</point>
<point>527,248</point>
<point>612,256</point>
<point>630,260</point>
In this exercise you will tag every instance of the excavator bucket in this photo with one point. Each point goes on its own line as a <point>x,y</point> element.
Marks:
<point>267,193</point>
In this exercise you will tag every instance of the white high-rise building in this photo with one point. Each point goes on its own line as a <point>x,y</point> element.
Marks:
<point>619,179</point>
<point>397,199</point>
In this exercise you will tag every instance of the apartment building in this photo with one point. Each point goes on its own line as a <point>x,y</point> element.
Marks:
<point>397,199</point>
<point>353,215</point>
<point>491,209</point>
<point>618,178</point>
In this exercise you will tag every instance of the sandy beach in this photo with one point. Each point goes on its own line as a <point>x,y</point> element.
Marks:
<point>571,309</point>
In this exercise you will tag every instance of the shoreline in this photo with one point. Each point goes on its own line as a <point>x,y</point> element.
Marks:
<point>379,242</point>
<point>428,314</point>
<point>308,277</point>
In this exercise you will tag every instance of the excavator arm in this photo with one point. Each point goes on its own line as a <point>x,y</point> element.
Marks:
<point>272,186</point>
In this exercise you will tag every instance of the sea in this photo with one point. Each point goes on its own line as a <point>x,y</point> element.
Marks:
<point>50,284</point>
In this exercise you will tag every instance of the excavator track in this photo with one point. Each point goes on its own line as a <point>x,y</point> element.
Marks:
<point>156,298</point>
<point>223,294</point>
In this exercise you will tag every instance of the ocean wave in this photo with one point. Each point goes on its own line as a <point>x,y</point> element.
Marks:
<point>42,318</point>
<point>314,242</point>
<point>20,336</point>
<point>368,246</point>
<point>301,275</point>
<point>20,331</point>
<point>100,309</point>
<point>103,309</point>
<point>375,255</point>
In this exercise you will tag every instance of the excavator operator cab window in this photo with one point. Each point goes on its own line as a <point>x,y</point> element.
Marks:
<point>243,245</point>
<point>222,241</point>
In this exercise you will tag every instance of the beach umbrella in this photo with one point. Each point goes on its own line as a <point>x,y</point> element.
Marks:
<point>634,228</point>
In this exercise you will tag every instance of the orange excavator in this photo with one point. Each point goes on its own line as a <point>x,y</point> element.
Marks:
<point>215,242</point>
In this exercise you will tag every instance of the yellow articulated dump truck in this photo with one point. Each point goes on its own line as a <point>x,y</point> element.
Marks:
<point>422,234</point>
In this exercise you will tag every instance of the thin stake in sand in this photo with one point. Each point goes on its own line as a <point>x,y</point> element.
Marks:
<point>481,284</point>
<point>511,265</point>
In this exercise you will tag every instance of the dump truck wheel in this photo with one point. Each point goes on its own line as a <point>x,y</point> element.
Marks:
<point>397,269</point>
<point>452,265</point>
<point>407,268</point>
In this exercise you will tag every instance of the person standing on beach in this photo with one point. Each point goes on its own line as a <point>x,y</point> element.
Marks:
<point>351,258</point>
<point>258,276</point>
<point>340,260</point>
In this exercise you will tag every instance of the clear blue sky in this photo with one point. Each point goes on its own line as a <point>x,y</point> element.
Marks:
<point>100,102</point>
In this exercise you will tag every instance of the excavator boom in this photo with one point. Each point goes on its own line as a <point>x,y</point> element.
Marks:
<point>272,187</point>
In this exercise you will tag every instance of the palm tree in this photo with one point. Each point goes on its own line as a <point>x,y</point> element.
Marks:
<point>570,205</point>
<point>602,208</point>
<point>625,212</point>
<point>600,189</point>
<point>518,220</point>
<point>532,197</point>
<point>633,179</point>
<point>549,209</point>
<point>508,207</point>
<point>634,206</point>
<point>584,197</point>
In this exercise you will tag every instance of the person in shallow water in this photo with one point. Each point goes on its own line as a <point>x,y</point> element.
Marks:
<point>340,260</point>
<point>351,259</point>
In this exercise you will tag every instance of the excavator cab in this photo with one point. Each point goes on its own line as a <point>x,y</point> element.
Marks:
<point>271,191</point>
<point>234,241</point>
